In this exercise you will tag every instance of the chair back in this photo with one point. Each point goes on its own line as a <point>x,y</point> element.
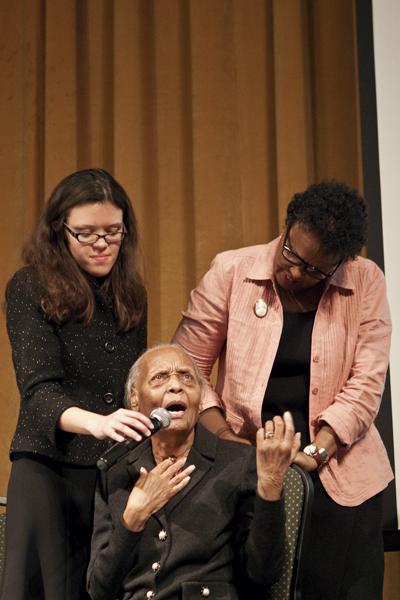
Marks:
<point>299,492</point>
<point>3,502</point>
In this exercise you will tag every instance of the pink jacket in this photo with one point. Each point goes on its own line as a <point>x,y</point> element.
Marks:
<point>349,358</point>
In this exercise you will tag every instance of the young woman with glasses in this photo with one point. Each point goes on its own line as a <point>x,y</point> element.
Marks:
<point>302,324</point>
<point>76,318</point>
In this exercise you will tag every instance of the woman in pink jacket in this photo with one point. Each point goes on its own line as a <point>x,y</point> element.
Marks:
<point>303,324</point>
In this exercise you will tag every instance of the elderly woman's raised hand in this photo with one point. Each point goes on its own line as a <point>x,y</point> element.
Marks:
<point>277,446</point>
<point>153,490</point>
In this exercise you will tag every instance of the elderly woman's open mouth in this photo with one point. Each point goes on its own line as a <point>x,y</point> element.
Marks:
<point>176,408</point>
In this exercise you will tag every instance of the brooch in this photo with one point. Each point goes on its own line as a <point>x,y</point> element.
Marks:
<point>260,308</point>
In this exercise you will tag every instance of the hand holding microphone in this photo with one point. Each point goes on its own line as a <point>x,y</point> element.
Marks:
<point>160,418</point>
<point>119,425</point>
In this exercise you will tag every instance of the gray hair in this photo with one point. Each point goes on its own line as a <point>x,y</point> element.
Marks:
<point>137,365</point>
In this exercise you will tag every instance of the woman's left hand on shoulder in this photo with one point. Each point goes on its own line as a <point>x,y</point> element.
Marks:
<point>277,446</point>
<point>307,463</point>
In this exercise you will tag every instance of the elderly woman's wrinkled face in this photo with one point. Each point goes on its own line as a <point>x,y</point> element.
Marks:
<point>300,261</point>
<point>167,379</point>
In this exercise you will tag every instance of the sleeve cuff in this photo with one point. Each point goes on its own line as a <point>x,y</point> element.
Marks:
<point>123,538</point>
<point>210,399</point>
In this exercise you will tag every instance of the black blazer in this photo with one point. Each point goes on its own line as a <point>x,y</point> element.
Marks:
<point>58,366</point>
<point>215,536</point>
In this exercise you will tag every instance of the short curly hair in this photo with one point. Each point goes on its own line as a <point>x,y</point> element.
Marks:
<point>333,212</point>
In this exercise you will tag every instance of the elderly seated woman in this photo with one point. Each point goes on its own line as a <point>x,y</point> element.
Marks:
<point>186,514</point>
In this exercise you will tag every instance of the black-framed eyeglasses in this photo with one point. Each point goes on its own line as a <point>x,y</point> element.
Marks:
<point>294,259</point>
<point>88,237</point>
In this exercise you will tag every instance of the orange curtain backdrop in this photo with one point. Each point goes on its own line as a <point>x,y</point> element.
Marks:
<point>211,113</point>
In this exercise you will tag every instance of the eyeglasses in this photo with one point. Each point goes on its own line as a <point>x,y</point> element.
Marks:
<point>291,256</point>
<point>114,237</point>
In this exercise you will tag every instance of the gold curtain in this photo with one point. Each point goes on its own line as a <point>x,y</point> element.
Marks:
<point>211,113</point>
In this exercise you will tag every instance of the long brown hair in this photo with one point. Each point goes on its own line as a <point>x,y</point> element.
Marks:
<point>66,290</point>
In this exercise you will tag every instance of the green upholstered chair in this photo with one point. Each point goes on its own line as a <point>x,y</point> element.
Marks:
<point>299,491</point>
<point>3,502</point>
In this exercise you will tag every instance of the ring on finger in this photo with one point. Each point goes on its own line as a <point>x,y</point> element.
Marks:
<point>269,435</point>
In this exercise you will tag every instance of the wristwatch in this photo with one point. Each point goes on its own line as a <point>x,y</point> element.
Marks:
<point>318,454</point>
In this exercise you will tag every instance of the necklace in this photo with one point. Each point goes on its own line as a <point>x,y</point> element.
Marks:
<point>297,302</point>
<point>172,457</point>
<point>292,303</point>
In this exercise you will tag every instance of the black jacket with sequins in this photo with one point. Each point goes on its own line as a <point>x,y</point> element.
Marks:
<point>59,366</point>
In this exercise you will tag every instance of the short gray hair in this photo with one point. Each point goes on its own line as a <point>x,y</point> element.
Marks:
<point>135,368</point>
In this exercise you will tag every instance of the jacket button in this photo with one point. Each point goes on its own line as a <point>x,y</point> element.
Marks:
<point>109,346</point>
<point>108,398</point>
<point>314,391</point>
<point>205,591</point>
<point>150,594</point>
<point>162,535</point>
<point>155,567</point>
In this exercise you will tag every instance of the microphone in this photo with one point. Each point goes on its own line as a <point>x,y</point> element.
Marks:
<point>160,418</point>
